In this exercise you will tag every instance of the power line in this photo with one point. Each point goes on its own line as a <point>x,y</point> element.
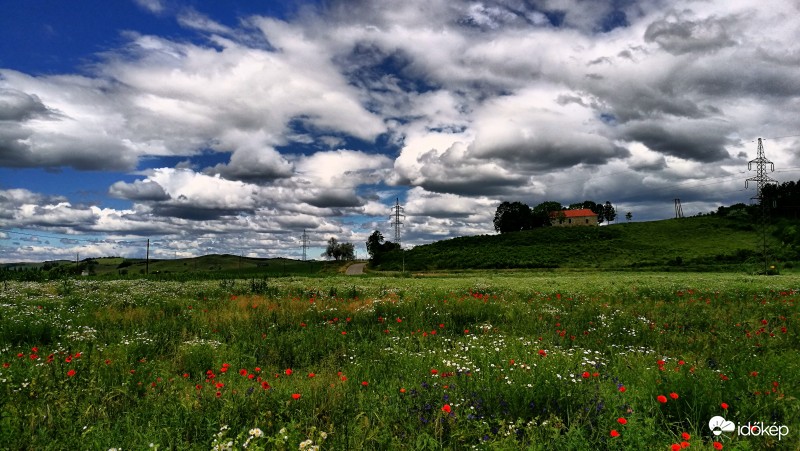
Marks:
<point>69,237</point>
<point>779,137</point>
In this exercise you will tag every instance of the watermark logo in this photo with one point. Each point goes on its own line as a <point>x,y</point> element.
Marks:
<point>720,425</point>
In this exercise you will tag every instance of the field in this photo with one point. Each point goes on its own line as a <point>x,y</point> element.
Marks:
<point>522,360</point>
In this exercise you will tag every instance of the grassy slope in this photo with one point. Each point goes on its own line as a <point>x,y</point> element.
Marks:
<point>208,265</point>
<point>698,242</point>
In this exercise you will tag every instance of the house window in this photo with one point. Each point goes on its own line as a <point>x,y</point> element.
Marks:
<point>587,221</point>
<point>570,221</point>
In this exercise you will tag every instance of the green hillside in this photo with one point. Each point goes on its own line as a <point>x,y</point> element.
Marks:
<point>697,243</point>
<point>204,267</point>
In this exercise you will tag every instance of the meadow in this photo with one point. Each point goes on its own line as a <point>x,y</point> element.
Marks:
<point>518,360</point>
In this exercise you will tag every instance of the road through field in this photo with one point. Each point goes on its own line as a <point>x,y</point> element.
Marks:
<point>355,269</point>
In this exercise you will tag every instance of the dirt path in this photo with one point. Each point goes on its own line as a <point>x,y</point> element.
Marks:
<point>355,269</point>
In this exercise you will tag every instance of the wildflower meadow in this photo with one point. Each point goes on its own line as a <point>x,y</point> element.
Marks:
<point>573,361</point>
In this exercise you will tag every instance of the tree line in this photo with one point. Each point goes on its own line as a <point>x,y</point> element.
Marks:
<point>516,216</point>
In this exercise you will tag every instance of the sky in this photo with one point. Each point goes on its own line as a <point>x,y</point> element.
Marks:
<point>232,127</point>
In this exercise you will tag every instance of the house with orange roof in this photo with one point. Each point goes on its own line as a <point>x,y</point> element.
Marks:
<point>573,218</point>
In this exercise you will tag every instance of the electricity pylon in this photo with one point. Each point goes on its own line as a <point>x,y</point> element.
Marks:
<point>761,179</point>
<point>304,240</point>
<point>396,222</point>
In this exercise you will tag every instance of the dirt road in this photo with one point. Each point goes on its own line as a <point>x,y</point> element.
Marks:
<point>355,269</point>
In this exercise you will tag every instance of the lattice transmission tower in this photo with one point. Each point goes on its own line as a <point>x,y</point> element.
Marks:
<point>397,215</point>
<point>678,209</point>
<point>761,179</point>
<point>304,240</point>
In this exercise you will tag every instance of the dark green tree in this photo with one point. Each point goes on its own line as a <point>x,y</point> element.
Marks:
<point>374,244</point>
<point>377,248</point>
<point>609,213</point>
<point>339,251</point>
<point>541,213</point>
<point>512,217</point>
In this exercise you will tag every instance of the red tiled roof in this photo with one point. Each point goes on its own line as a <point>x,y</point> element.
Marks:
<point>582,213</point>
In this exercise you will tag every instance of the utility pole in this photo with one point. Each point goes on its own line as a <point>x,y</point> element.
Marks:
<point>762,179</point>
<point>147,259</point>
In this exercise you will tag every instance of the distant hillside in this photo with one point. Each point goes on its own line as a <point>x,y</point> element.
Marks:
<point>207,266</point>
<point>699,243</point>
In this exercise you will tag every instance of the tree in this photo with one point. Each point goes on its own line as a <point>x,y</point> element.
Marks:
<point>377,248</point>
<point>609,213</point>
<point>347,251</point>
<point>541,213</point>
<point>512,217</point>
<point>339,251</point>
<point>629,216</point>
<point>374,244</point>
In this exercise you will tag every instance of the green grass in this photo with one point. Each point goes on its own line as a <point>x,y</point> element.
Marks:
<point>697,243</point>
<point>524,360</point>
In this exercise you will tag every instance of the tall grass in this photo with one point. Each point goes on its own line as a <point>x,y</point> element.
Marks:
<point>520,361</point>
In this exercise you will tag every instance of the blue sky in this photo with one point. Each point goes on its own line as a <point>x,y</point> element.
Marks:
<point>233,126</point>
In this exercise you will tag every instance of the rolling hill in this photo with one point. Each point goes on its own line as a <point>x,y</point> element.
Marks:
<point>696,243</point>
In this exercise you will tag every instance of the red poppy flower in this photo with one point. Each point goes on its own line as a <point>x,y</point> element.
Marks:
<point>724,405</point>
<point>684,444</point>
<point>295,396</point>
<point>673,395</point>
<point>685,436</point>
<point>614,433</point>
<point>622,421</point>
<point>434,371</point>
<point>288,371</point>
<point>402,390</point>
<point>543,353</point>
<point>675,447</point>
<point>662,399</point>
<point>198,387</point>
<point>311,374</point>
<point>586,375</point>
<point>717,445</point>
<point>364,383</point>
<point>71,373</point>
<point>446,408</point>
<point>622,389</point>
